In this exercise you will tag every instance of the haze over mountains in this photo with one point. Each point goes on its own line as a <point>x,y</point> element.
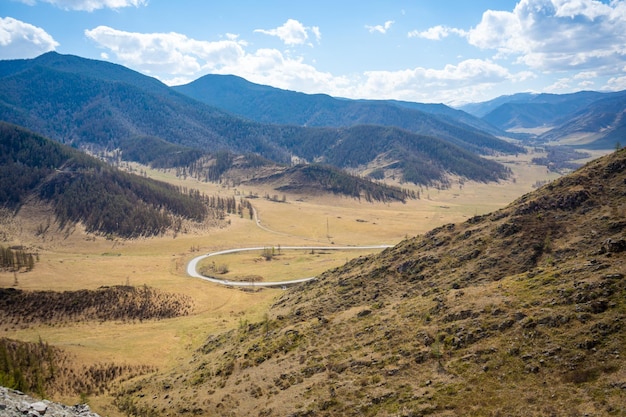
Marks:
<point>587,118</point>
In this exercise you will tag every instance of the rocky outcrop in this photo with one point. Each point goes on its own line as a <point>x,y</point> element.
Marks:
<point>17,404</point>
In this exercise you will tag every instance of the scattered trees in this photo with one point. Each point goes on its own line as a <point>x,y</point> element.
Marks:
<point>15,259</point>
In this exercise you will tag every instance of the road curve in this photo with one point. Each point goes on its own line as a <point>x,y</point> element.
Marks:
<point>192,266</point>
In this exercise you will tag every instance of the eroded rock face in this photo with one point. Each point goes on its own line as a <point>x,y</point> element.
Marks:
<point>17,404</point>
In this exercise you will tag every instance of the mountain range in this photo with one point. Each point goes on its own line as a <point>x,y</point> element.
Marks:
<point>98,105</point>
<point>590,119</point>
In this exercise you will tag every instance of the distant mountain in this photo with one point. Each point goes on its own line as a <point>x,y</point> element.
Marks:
<point>272,105</point>
<point>588,118</point>
<point>83,189</point>
<point>519,312</point>
<point>76,108</point>
<point>94,104</point>
<point>600,125</point>
<point>483,108</point>
<point>539,109</point>
<point>567,102</point>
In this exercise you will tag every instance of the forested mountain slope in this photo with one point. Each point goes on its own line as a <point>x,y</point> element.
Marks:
<point>520,312</point>
<point>83,189</point>
<point>272,105</point>
<point>100,106</point>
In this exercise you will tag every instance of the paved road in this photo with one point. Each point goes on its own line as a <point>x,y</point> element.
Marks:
<point>192,266</point>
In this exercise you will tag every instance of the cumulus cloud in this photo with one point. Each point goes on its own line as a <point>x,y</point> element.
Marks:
<point>380,28</point>
<point>272,67</point>
<point>20,40</point>
<point>90,5</point>
<point>616,84</point>
<point>177,59</point>
<point>436,33</point>
<point>292,32</point>
<point>450,84</point>
<point>171,53</point>
<point>557,35</point>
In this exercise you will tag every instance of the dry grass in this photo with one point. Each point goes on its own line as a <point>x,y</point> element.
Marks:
<point>72,260</point>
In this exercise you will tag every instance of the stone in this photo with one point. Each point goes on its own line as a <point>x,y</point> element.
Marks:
<point>40,407</point>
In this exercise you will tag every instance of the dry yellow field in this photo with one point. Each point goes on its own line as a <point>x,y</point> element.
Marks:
<point>77,261</point>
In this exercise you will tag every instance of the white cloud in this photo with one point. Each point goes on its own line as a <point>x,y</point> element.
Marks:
<point>176,59</point>
<point>292,32</point>
<point>23,40</point>
<point>436,33</point>
<point>171,53</point>
<point>616,84</point>
<point>90,5</point>
<point>271,67</point>
<point>557,35</point>
<point>451,84</point>
<point>380,28</point>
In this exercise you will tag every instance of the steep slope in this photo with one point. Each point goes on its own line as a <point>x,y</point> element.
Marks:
<point>272,105</point>
<point>78,109</point>
<point>520,313</point>
<point>83,189</point>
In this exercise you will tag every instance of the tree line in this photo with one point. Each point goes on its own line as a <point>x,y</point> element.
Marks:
<point>45,370</point>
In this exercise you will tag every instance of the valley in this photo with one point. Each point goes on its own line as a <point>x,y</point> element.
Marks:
<point>76,260</point>
<point>481,257</point>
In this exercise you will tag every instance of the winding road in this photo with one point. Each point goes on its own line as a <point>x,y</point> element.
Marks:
<point>192,266</point>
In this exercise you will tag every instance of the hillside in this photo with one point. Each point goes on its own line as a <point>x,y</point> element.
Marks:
<point>272,105</point>
<point>316,179</point>
<point>519,313</point>
<point>104,107</point>
<point>83,189</point>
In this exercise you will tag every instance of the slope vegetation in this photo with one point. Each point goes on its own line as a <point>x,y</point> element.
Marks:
<point>272,105</point>
<point>314,179</point>
<point>519,312</point>
<point>83,189</point>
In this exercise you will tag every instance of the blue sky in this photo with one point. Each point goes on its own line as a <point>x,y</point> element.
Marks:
<point>445,51</point>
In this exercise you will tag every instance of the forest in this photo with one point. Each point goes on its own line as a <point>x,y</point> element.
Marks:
<point>81,188</point>
<point>324,177</point>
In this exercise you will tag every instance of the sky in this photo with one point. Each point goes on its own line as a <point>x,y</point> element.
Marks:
<point>427,51</point>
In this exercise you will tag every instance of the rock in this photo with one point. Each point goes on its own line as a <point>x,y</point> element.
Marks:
<point>40,407</point>
<point>613,246</point>
<point>17,404</point>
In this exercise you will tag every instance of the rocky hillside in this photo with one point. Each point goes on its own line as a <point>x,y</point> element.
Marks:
<point>520,313</point>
